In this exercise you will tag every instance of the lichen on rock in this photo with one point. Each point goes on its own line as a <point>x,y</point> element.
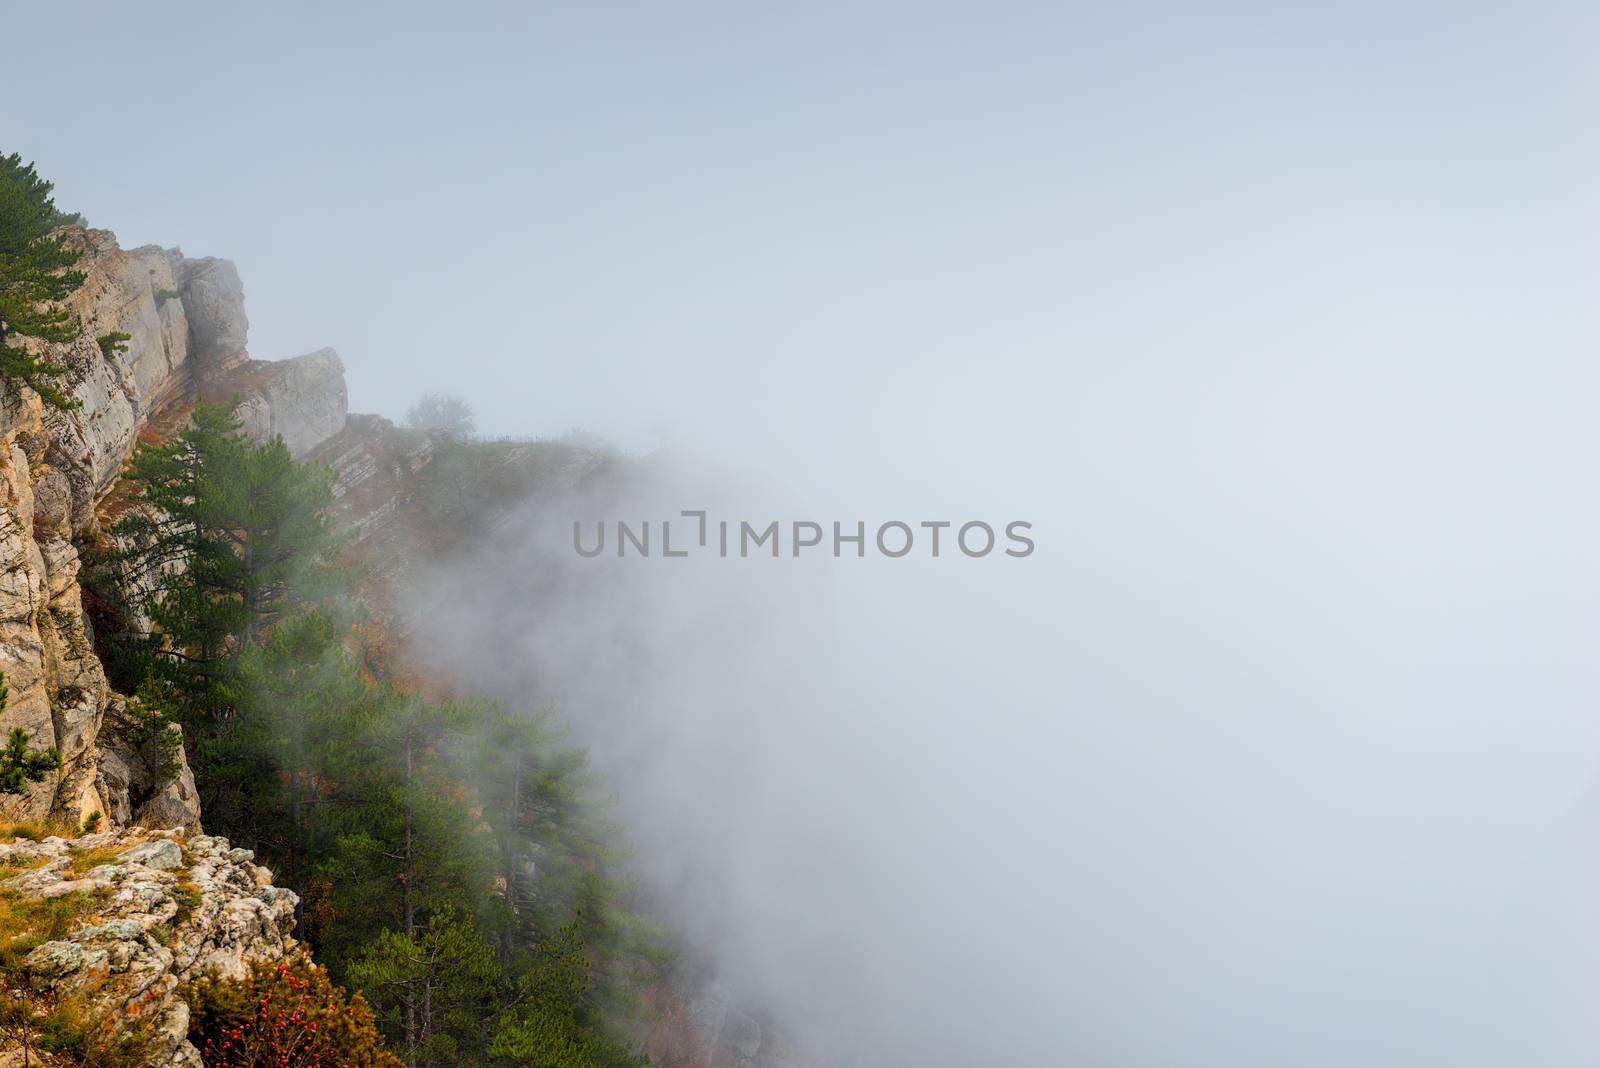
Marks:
<point>166,911</point>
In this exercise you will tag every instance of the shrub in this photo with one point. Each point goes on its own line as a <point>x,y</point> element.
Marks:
<point>187,895</point>
<point>284,1014</point>
<point>113,343</point>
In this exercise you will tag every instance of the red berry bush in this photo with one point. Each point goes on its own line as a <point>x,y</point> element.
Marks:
<point>284,1015</point>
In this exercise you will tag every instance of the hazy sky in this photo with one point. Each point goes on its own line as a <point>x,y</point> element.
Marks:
<point>620,216</point>
<point>1278,320</point>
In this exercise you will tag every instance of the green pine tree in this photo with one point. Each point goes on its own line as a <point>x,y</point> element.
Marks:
<point>541,1026</point>
<point>177,561</point>
<point>432,988</point>
<point>18,764</point>
<point>226,537</point>
<point>409,845</point>
<point>36,274</point>
<point>410,826</point>
<point>229,535</point>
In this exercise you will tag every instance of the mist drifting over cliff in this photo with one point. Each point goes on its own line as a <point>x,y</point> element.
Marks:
<point>1276,323</point>
<point>1245,765</point>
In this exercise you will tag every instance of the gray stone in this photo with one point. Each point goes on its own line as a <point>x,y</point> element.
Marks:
<point>120,930</point>
<point>303,400</point>
<point>54,959</point>
<point>213,302</point>
<point>74,886</point>
<point>136,793</point>
<point>52,499</point>
<point>37,879</point>
<point>161,854</point>
<point>21,850</point>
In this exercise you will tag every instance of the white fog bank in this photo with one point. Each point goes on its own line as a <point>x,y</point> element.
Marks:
<point>1277,321</point>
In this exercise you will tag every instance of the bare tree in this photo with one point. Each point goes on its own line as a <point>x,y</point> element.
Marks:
<point>445,413</point>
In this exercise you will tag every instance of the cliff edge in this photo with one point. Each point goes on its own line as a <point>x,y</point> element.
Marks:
<point>186,338</point>
<point>110,926</point>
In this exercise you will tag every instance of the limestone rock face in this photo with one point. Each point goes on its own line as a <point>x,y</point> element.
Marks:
<point>54,467</point>
<point>57,689</point>
<point>302,399</point>
<point>186,334</point>
<point>184,320</point>
<point>213,298</point>
<point>133,786</point>
<point>157,911</point>
<point>376,463</point>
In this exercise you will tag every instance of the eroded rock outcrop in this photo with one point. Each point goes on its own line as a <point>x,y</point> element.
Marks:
<point>213,298</point>
<point>301,400</point>
<point>185,322</point>
<point>146,913</point>
<point>57,689</point>
<point>55,466</point>
<point>377,464</point>
<point>186,334</point>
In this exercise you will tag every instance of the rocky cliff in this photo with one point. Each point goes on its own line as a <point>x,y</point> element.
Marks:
<point>110,926</point>
<point>187,333</point>
<point>154,909</point>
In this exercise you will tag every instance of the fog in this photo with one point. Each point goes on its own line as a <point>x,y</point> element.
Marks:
<point>1276,322</point>
<point>1268,754</point>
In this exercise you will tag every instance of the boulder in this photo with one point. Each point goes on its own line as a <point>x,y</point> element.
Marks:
<point>303,400</point>
<point>213,301</point>
<point>160,854</point>
<point>54,959</point>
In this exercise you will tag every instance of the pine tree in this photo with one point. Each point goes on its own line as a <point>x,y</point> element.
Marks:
<point>280,531</point>
<point>179,559</point>
<point>408,843</point>
<point>18,764</point>
<point>36,274</point>
<point>432,987</point>
<point>540,1025</point>
<point>229,535</point>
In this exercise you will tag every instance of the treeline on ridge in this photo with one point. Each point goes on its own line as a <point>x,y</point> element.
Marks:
<point>452,862</point>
